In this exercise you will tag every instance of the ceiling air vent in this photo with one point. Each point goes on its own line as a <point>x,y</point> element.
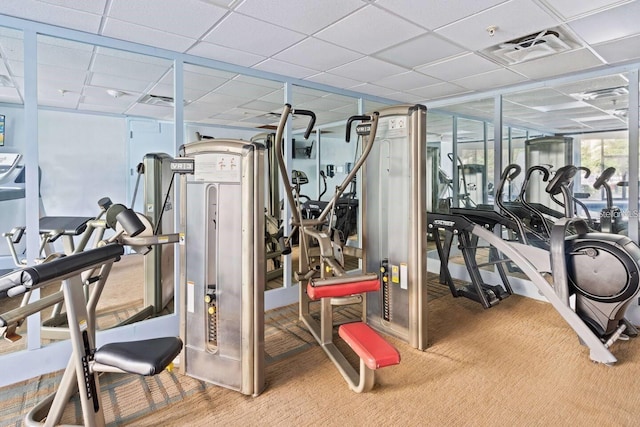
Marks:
<point>609,92</point>
<point>163,101</point>
<point>533,46</point>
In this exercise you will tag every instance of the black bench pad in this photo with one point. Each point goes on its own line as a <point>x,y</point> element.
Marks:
<point>146,357</point>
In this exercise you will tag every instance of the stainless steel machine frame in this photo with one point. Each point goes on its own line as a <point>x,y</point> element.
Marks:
<point>158,207</point>
<point>222,276</point>
<point>394,233</point>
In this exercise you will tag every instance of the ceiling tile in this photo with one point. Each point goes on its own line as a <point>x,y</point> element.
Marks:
<point>421,50</point>
<point>225,54</point>
<point>404,97</point>
<point>620,50</point>
<point>433,14</point>
<point>317,54</point>
<point>208,108</point>
<point>12,48</point>
<point>223,3</point>
<point>188,18</point>
<point>459,67</point>
<point>197,80</point>
<point>152,37</point>
<point>131,56</point>
<point>573,8</point>
<point>490,80</point>
<point>241,89</point>
<point>605,82</point>
<point>554,65</point>
<point>155,111</point>
<point>247,34</point>
<point>367,69</point>
<point>263,105</point>
<point>52,14</point>
<point>64,57</point>
<point>536,97</point>
<point>62,78</point>
<point>304,16</point>
<point>611,24</point>
<point>406,81</point>
<point>122,67</point>
<point>284,68</point>
<point>93,94</point>
<point>10,95</point>
<point>514,19</point>
<point>356,31</point>
<point>333,80</point>
<point>121,83</point>
<point>371,89</point>
<point>93,6</point>
<point>438,91</point>
<point>276,97</point>
<point>222,100</point>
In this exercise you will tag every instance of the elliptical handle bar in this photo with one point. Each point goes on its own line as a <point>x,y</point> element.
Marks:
<point>587,171</point>
<point>604,177</point>
<point>511,171</point>
<point>363,118</point>
<point>563,177</point>
<point>307,113</point>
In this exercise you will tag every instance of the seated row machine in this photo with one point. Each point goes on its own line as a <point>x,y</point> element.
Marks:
<point>328,282</point>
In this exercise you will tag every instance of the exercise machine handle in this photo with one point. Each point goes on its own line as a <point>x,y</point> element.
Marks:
<point>511,171</point>
<point>352,119</point>
<point>541,169</point>
<point>604,177</point>
<point>312,121</point>
<point>587,171</point>
<point>563,177</point>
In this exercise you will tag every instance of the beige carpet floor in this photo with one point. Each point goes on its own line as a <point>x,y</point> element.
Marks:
<point>515,364</point>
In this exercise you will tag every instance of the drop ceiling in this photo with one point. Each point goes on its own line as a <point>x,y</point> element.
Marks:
<point>403,51</point>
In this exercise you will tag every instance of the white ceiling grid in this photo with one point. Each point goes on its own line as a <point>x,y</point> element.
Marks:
<point>404,50</point>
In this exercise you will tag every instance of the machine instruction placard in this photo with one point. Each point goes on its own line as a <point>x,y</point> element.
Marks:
<point>218,167</point>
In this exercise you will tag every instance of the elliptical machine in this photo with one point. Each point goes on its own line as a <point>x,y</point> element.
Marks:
<point>601,269</point>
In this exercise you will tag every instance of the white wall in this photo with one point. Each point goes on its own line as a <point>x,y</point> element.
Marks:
<point>83,158</point>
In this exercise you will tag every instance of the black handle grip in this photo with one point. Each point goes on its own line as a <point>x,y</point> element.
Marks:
<point>563,177</point>
<point>587,171</point>
<point>352,119</point>
<point>507,174</point>
<point>545,172</point>
<point>604,177</point>
<point>312,122</point>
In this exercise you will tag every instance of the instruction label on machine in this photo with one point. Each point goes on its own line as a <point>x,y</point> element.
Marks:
<point>396,127</point>
<point>191,296</point>
<point>216,167</point>
<point>400,275</point>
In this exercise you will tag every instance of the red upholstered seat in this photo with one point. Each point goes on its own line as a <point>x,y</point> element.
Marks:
<point>342,290</point>
<point>368,345</point>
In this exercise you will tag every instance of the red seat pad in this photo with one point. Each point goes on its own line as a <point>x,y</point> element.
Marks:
<point>371,347</point>
<point>334,291</point>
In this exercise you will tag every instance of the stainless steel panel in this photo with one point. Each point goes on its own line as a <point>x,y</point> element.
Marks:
<point>394,215</point>
<point>159,263</point>
<point>225,248</point>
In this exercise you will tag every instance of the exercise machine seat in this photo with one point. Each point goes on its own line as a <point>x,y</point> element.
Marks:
<point>368,345</point>
<point>69,225</point>
<point>316,290</point>
<point>146,357</point>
